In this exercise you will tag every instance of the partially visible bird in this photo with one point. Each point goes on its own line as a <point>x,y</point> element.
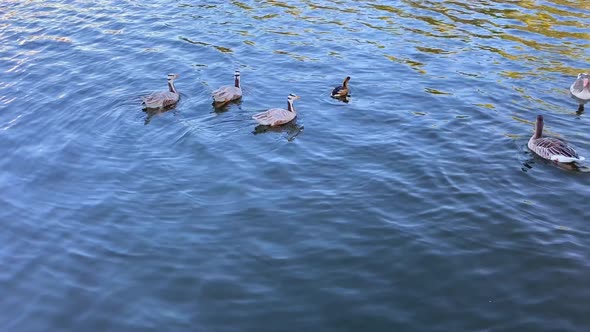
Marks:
<point>341,91</point>
<point>580,89</point>
<point>163,99</point>
<point>550,147</point>
<point>228,93</point>
<point>278,116</point>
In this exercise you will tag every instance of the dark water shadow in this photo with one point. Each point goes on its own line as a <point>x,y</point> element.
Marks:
<point>225,106</point>
<point>292,129</point>
<point>580,110</point>
<point>345,99</point>
<point>151,112</point>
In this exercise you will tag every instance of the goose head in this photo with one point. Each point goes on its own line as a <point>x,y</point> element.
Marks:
<point>172,77</point>
<point>237,78</point>
<point>290,99</point>
<point>581,87</point>
<point>582,82</point>
<point>584,77</point>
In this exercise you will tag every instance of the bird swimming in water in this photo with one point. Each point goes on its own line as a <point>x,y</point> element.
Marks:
<point>278,116</point>
<point>580,89</point>
<point>163,99</point>
<point>228,93</point>
<point>341,91</point>
<point>550,147</point>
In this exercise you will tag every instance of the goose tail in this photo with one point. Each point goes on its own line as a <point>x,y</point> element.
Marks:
<point>564,159</point>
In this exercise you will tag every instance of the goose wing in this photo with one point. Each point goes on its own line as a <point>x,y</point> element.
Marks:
<point>274,117</point>
<point>226,93</point>
<point>338,90</point>
<point>160,99</point>
<point>554,149</point>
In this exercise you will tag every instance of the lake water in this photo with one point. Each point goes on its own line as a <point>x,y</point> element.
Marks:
<point>414,207</point>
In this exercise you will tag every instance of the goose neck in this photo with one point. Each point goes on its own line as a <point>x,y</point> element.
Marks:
<point>171,86</point>
<point>538,129</point>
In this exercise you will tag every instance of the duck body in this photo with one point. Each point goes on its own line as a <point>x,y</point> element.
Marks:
<point>341,91</point>
<point>228,93</point>
<point>163,99</point>
<point>551,148</point>
<point>277,116</point>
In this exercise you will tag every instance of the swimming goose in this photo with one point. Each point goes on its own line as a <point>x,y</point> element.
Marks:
<point>580,89</point>
<point>228,93</point>
<point>550,147</point>
<point>278,116</point>
<point>163,98</point>
<point>341,91</point>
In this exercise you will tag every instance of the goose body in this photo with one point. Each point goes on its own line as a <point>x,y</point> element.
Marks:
<point>226,94</point>
<point>163,99</point>
<point>550,147</point>
<point>341,91</point>
<point>278,116</point>
<point>580,90</point>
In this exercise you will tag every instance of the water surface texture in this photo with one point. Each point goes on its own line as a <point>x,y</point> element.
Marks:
<point>414,207</point>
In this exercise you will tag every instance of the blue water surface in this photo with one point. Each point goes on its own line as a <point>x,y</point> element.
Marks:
<point>414,207</point>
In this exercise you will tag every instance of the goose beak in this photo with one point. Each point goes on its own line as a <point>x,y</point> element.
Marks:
<point>297,97</point>
<point>585,81</point>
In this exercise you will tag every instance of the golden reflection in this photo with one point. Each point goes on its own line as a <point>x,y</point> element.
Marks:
<point>436,92</point>
<point>499,51</point>
<point>389,9</point>
<point>433,50</point>
<point>295,56</point>
<point>242,5</point>
<point>513,74</point>
<point>334,54</point>
<point>219,48</point>
<point>280,4</point>
<point>343,10</point>
<point>513,136</point>
<point>531,123</point>
<point>488,106</point>
<point>413,64</point>
<point>286,33</point>
<point>265,17</point>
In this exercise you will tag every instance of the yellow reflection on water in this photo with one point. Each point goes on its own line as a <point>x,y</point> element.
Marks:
<point>219,48</point>
<point>413,64</point>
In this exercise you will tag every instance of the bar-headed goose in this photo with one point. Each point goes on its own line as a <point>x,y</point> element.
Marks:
<point>278,116</point>
<point>163,98</point>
